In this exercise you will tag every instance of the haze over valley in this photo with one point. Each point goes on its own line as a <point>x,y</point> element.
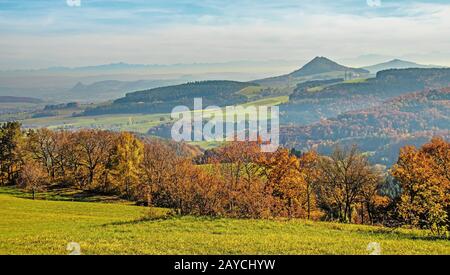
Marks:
<point>319,94</point>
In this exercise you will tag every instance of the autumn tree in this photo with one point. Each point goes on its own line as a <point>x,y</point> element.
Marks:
<point>183,187</point>
<point>41,144</point>
<point>66,157</point>
<point>94,148</point>
<point>235,164</point>
<point>10,152</point>
<point>372,201</point>
<point>307,165</point>
<point>33,177</point>
<point>423,176</point>
<point>130,152</point>
<point>157,168</point>
<point>343,176</point>
<point>69,165</point>
<point>439,151</point>
<point>284,182</point>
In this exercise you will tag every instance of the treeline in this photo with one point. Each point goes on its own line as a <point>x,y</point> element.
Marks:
<point>235,180</point>
<point>387,84</point>
<point>164,99</point>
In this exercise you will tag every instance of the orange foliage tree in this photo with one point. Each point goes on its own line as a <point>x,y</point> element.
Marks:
<point>424,178</point>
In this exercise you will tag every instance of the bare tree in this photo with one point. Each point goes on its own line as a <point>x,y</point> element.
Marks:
<point>343,177</point>
<point>94,149</point>
<point>158,165</point>
<point>33,177</point>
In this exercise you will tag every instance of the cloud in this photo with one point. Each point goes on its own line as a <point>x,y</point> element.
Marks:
<point>217,31</point>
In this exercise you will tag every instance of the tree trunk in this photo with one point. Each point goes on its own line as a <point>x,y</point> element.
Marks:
<point>362,213</point>
<point>369,212</point>
<point>149,197</point>
<point>308,201</point>
<point>349,215</point>
<point>91,176</point>
<point>127,190</point>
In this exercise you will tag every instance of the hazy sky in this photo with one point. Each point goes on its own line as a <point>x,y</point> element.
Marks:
<point>48,33</point>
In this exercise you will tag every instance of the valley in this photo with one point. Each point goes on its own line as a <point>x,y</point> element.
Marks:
<point>320,95</point>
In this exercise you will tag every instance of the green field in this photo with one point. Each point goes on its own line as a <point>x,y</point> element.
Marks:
<point>251,91</point>
<point>139,123</point>
<point>46,227</point>
<point>269,101</point>
<point>356,80</point>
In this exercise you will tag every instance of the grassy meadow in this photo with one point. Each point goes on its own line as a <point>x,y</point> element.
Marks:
<point>47,226</point>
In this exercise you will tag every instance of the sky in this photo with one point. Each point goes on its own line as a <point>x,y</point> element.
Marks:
<point>47,33</point>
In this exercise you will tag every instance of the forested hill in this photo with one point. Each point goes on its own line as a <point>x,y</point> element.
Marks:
<point>389,83</point>
<point>206,89</point>
<point>410,118</point>
<point>163,99</point>
<point>321,65</point>
<point>320,68</point>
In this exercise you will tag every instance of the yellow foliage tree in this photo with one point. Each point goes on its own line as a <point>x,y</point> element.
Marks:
<point>130,154</point>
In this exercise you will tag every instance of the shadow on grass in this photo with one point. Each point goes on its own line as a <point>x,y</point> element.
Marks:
<point>389,232</point>
<point>162,215</point>
<point>427,235</point>
<point>151,215</point>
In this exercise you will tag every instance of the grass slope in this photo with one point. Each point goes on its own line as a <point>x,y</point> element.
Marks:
<point>46,227</point>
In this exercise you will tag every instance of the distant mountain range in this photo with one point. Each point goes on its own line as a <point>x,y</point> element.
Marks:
<point>316,66</point>
<point>110,81</point>
<point>396,64</point>
<point>320,68</point>
<point>320,79</point>
<point>183,68</point>
<point>15,99</point>
<point>112,89</point>
<point>57,84</point>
